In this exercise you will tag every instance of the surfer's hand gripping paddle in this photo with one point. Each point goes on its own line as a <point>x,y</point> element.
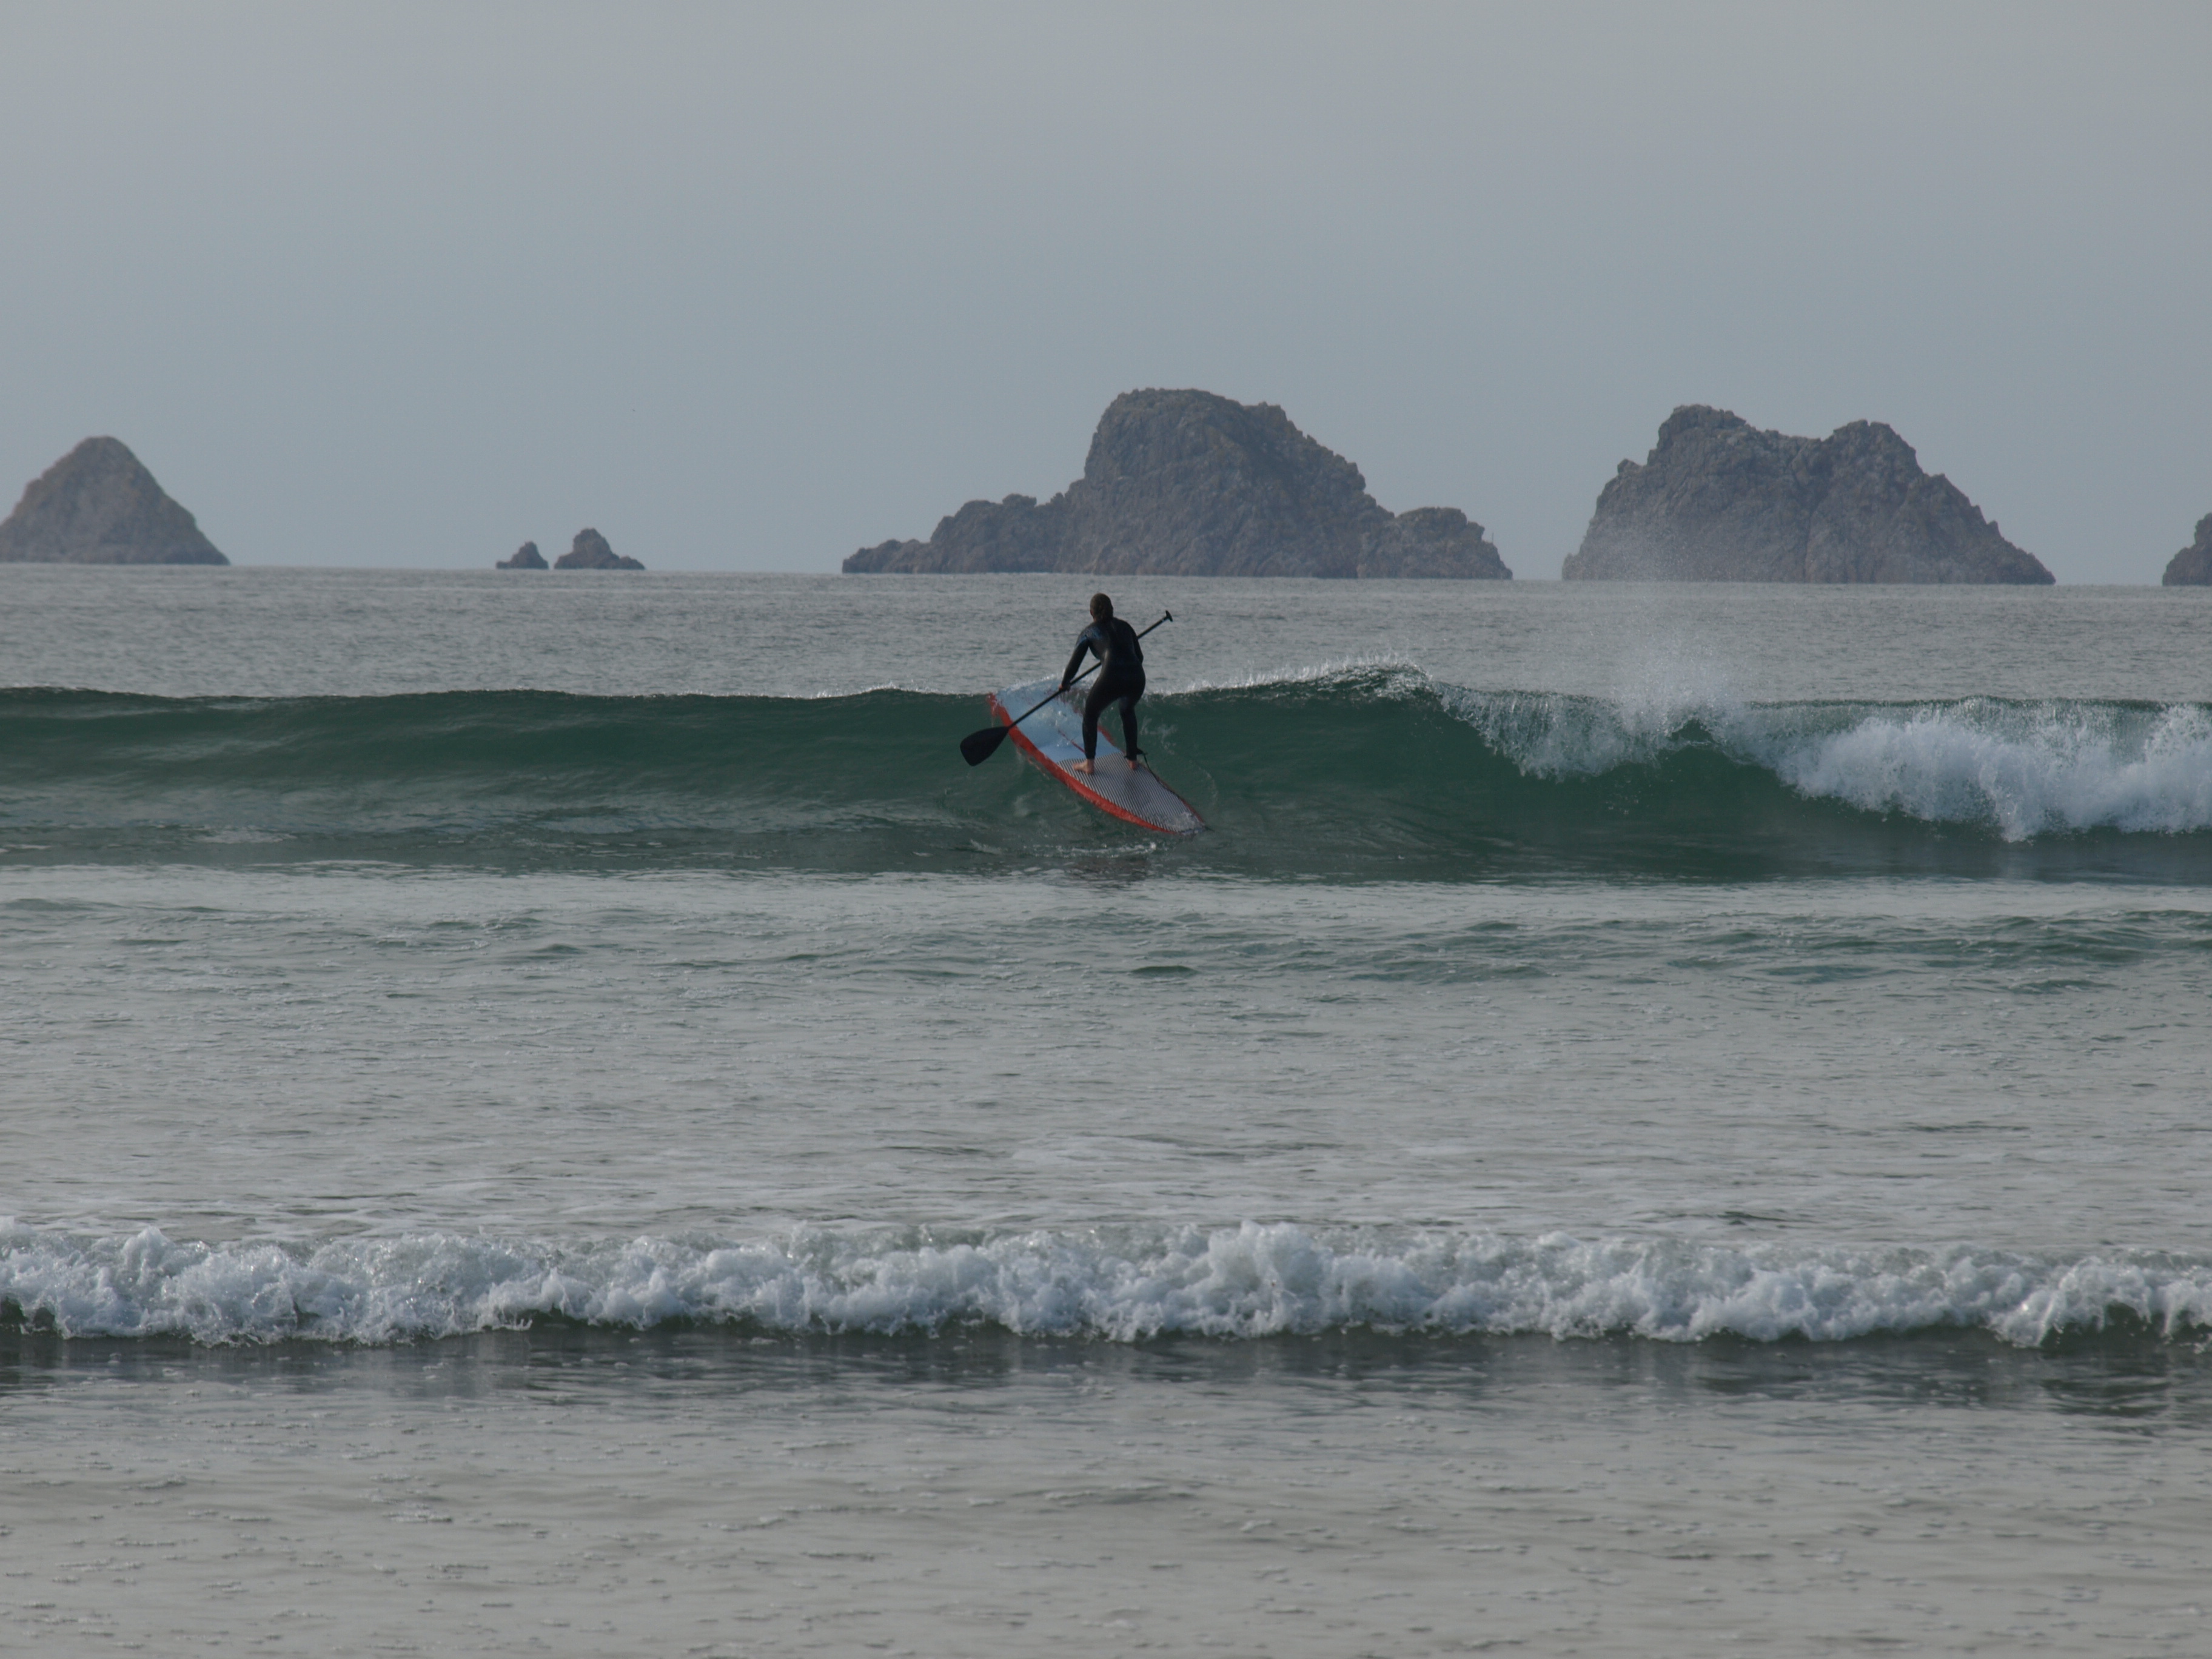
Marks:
<point>979,746</point>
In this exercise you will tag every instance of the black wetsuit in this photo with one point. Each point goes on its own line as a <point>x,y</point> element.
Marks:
<point>1121,679</point>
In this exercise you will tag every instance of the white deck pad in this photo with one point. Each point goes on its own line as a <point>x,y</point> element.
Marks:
<point>1053,737</point>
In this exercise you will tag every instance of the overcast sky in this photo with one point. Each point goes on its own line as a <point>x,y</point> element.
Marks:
<point>747,289</point>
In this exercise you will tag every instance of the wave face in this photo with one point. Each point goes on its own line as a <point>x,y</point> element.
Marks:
<point>1129,1285</point>
<point>1367,773</point>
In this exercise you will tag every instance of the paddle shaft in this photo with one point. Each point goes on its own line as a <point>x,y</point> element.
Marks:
<point>1166,617</point>
<point>979,746</point>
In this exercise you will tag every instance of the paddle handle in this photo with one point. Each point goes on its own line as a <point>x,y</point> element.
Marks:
<point>1165,617</point>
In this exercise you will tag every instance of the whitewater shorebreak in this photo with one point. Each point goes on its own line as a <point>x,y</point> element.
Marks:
<point>1128,1285</point>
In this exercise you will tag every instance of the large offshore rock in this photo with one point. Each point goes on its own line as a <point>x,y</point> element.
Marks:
<point>526,557</point>
<point>1188,483</point>
<point>1719,500</point>
<point>590,551</point>
<point>98,505</point>
<point>2193,565</point>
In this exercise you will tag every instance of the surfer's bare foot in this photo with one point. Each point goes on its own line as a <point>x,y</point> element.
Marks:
<point>1087,767</point>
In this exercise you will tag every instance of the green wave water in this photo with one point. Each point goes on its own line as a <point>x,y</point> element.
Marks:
<point>1362,774</point>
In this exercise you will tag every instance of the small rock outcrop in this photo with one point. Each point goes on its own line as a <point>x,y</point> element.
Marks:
<point>1188,483</point>
<point>2193,565</point>
<point>1718,499</point>
<point>526,557</point>
<point>590,551</point>
<point>98,505</point>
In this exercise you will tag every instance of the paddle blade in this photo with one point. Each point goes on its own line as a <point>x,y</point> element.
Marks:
<point>979,746</point>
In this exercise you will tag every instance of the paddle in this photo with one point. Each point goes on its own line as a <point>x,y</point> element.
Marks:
<point>979,746</point>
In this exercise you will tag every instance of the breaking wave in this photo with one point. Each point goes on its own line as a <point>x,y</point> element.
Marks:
<point>1129,1285</point>
<point>2020,771</point>
<point>1365,772</point>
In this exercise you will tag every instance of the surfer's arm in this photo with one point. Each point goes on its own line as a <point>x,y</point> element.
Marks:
<point>1075,662</point>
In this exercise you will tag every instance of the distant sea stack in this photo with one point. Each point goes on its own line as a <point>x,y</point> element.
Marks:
<point>98,505</point>
<point>2193,565</point>
<point>1188,484</point>
<point>526,557</point>
<point>1720,500</point>
<point>590,551</point>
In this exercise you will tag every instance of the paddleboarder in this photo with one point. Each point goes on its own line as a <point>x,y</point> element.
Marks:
<point>1136,796</point>
<point>1121,679</point>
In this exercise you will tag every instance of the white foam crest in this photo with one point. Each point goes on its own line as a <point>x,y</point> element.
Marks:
<point>1392,675</point>
<point>1242,1282</point>
<point>2026,772</point>
<point>1550,734</point>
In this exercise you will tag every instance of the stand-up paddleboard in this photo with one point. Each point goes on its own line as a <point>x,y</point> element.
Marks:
<point>1053,737</point>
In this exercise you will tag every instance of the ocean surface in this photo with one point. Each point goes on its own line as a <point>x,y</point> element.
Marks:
<point>553,1114</point>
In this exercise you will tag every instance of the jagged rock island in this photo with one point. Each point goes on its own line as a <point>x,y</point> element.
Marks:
<point>98,505</point>
<point>526,557</point>
<point>1188,484</point>
<point>1720,500</point>
<point>2193,565</point>
<point>590,551</point>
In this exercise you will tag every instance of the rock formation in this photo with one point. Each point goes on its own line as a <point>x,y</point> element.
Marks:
<point>2193,565</point>
<point>98,505</point>
<point>526,557</point>
<point>1718,499</point>
<point>1187,483</point>
<point>590,551</point>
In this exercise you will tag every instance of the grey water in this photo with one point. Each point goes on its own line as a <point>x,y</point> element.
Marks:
<point>597,1225</point>
<point>265,632</point>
